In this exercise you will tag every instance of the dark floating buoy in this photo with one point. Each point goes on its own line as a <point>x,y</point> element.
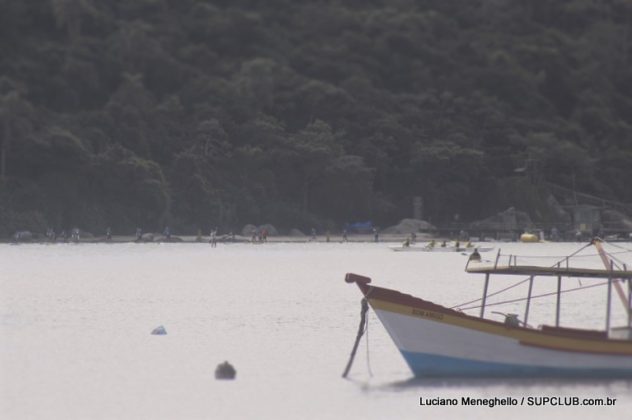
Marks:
<point>475,256</point>
<point>160,330</point>
<point>225,371</point>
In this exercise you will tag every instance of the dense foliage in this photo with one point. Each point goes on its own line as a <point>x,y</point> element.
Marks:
<point>198,113</point>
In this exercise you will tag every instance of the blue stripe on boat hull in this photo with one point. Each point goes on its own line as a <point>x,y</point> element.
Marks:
<point>430,365</point>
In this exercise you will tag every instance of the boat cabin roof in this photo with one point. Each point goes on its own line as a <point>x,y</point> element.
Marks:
<point>531,270</point>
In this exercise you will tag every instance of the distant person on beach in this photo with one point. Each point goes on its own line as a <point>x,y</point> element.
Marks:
<point>213,239</point>
<point>555,234</point>
<point>344,235</point>
<point>139,234</point>
<point>313,234</point>
<point>63,236</point>
<point>108,234</point>
<point>167,233</point>
<point>376,235</point>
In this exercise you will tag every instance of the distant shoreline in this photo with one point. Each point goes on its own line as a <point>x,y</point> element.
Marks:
<point>192,239</point>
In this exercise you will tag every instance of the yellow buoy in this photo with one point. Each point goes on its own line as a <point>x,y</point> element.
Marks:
<point>529,237</point>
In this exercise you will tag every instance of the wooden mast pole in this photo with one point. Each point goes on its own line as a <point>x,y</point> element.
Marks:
<point>484,295</point>
<point>526,311</point>
<point>630,303</point>
<point>609,300</point>
<point>557,306</point>
<point>608,263</point>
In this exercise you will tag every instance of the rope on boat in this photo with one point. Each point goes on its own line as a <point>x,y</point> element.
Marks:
<point>515,284</point>
<point>563,257</point>
<point>361,329</point>
<point>534,297</point>
<point>624,249</point>
<point>611,254</point>
<point>366,336</point>
<point>489,295</point>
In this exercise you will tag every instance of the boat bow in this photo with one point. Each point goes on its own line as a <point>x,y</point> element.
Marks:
<point>442,342</point>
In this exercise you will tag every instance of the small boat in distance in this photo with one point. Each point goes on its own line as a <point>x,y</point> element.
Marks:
<point>432,247</point>
<point>437,341</point>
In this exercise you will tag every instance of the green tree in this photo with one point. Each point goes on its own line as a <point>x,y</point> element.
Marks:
<point>15,115</point>
<point>69,14</point>
<point>313,148</point>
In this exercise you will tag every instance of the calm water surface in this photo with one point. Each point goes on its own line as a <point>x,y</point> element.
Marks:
<point>75,343</point>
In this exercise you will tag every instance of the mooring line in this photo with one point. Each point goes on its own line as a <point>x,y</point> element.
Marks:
<point>368,359</point>
<point>361,329</point>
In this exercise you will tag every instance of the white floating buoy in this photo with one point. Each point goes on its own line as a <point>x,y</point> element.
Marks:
<point>160,330</point>
<point>225,371</point>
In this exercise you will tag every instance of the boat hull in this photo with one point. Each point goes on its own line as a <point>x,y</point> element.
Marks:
<point>440,342</point>
<point>411,248</point>
<point>431,365</point>
<point>434,349</point>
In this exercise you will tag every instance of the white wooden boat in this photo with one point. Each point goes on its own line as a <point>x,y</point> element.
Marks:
<point>409,248</point>
<point>437,341</point>
<point>426,248</point>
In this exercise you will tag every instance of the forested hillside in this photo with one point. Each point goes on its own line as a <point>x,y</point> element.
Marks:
<point>128,113</point>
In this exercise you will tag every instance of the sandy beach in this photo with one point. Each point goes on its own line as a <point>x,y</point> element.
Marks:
<point>226,239</point>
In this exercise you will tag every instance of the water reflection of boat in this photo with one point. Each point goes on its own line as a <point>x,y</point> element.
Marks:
<point>439,341</point>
